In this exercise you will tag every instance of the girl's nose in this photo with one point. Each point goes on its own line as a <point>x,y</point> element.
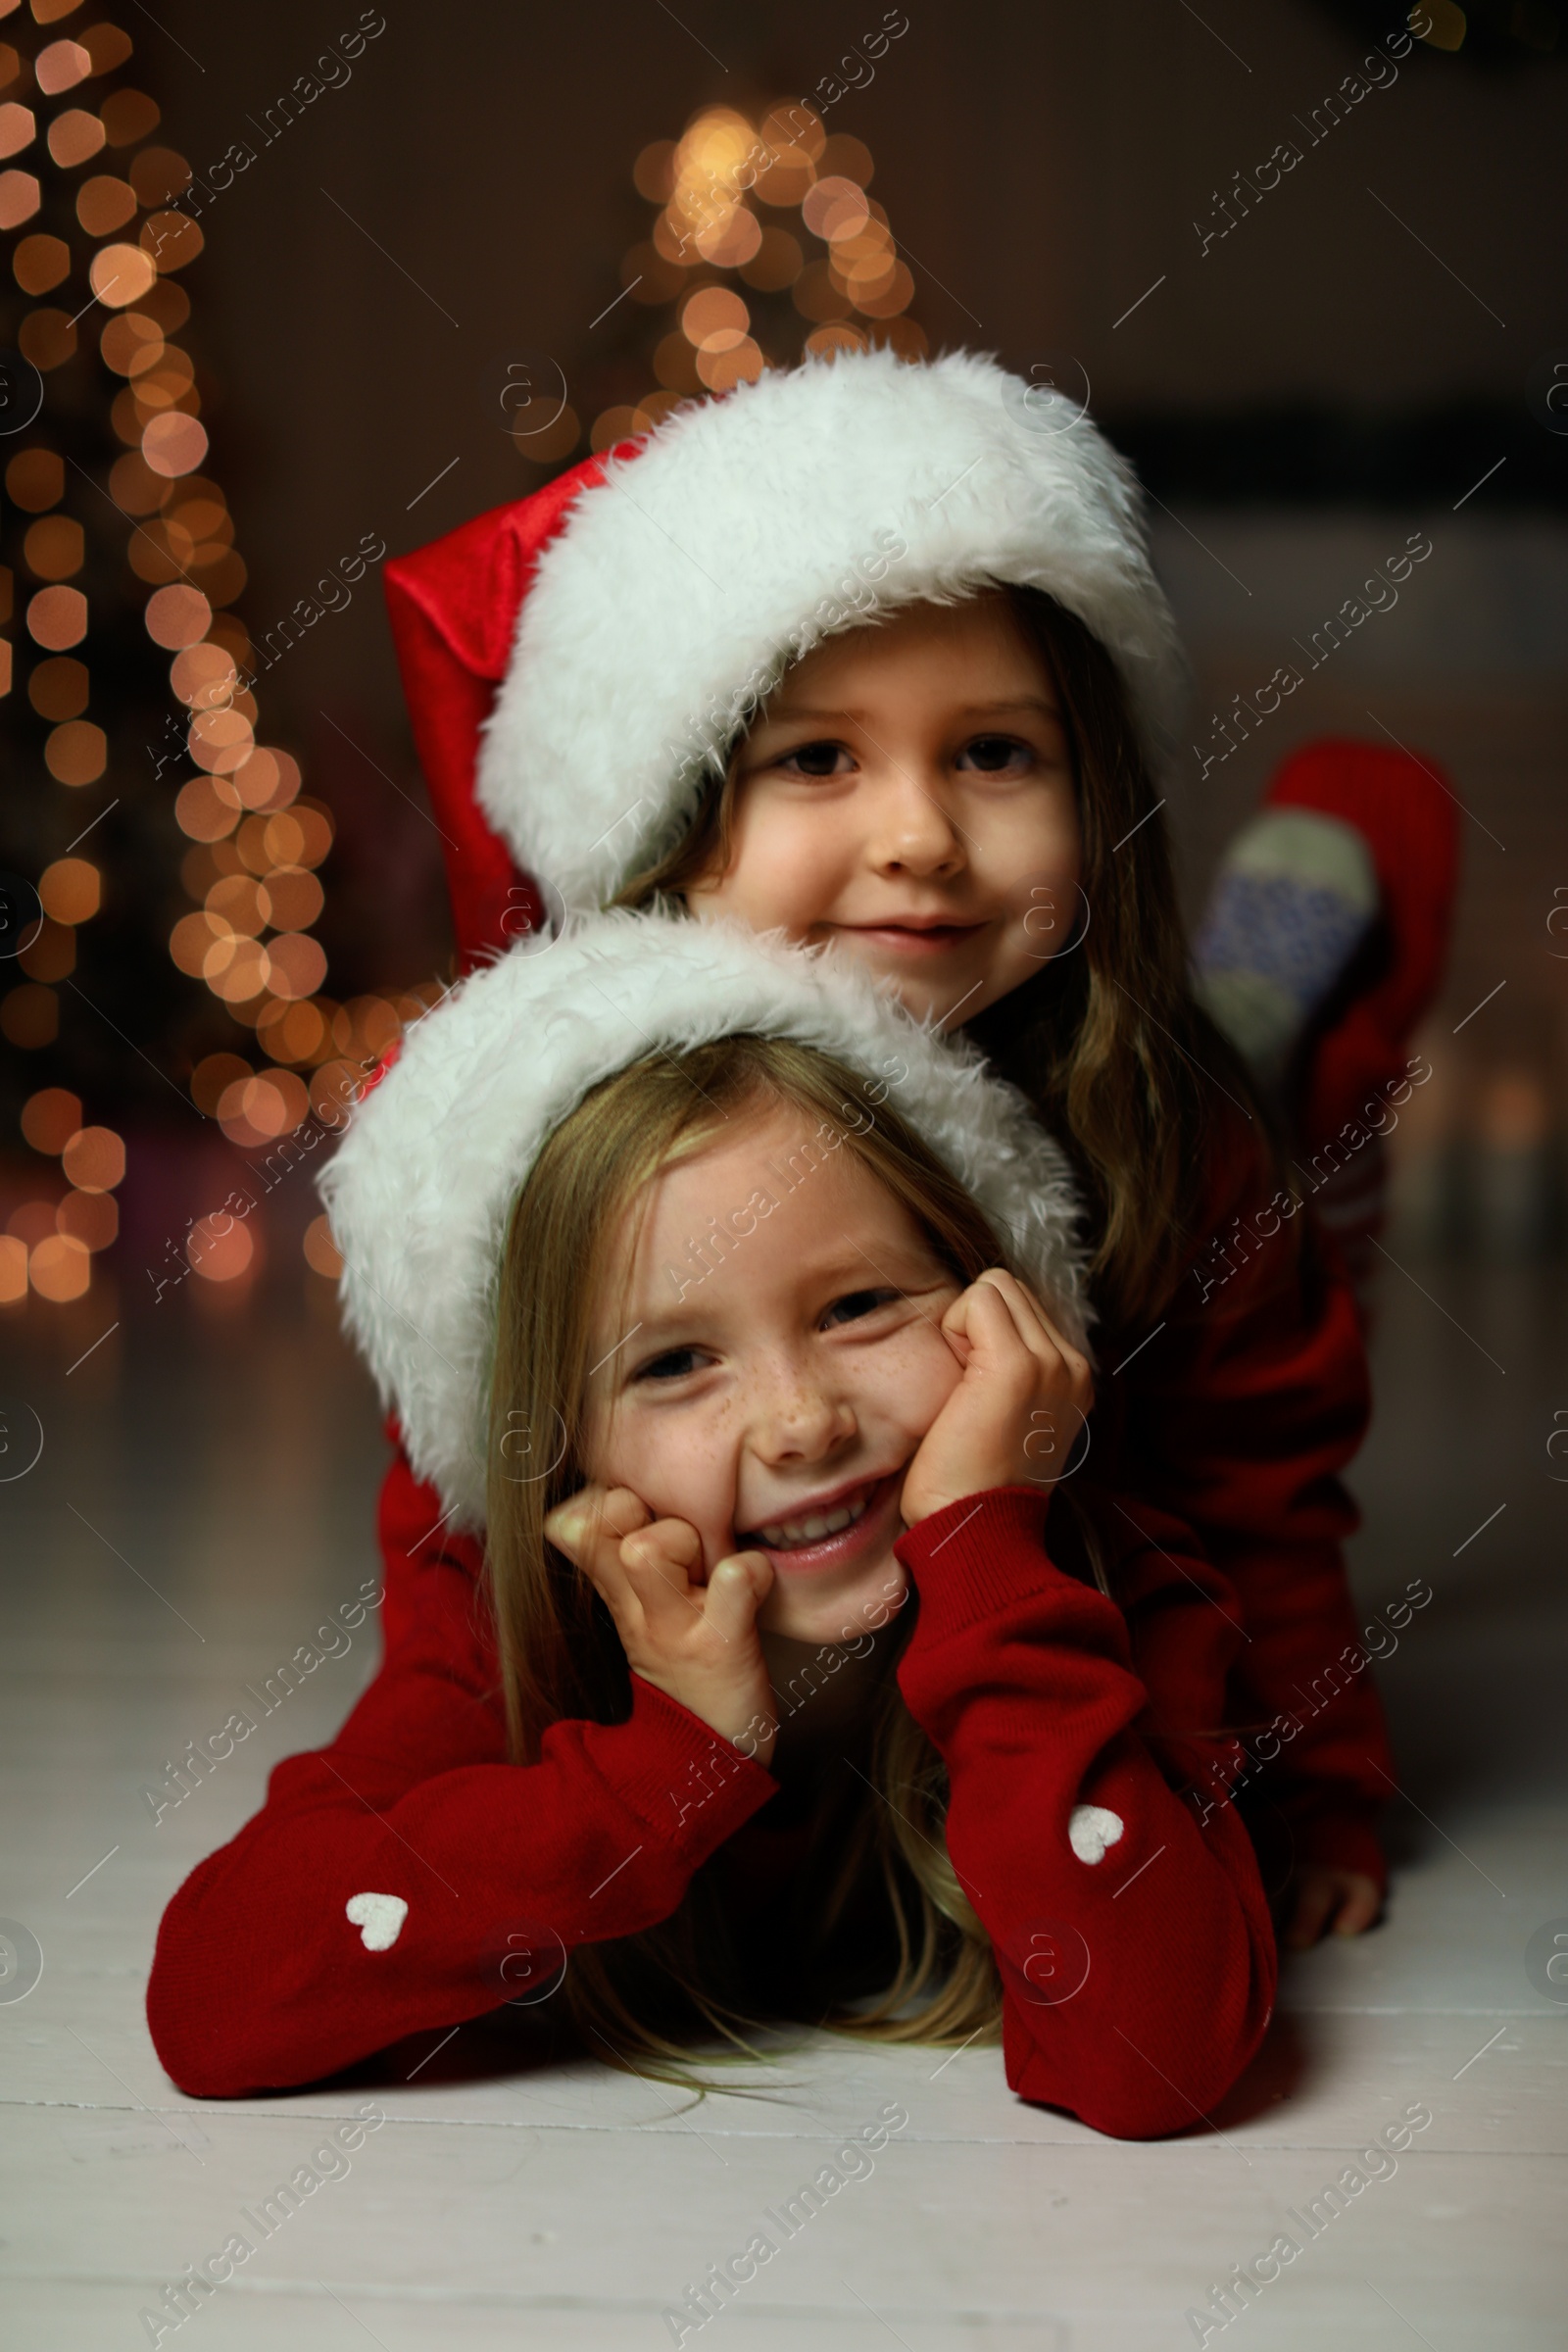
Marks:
<point>798,1422</point>
<point>912,832</point>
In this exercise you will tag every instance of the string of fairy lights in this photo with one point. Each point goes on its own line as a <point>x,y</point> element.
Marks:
<point>256,839</point>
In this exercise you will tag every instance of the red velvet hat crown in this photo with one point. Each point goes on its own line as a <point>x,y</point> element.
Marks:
<point>454,610</point>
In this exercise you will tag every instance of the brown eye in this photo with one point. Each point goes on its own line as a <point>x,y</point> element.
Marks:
<point>857,1304</point>
<point>995,754</point>
<point>814,758</point>
<point>676,1363</point>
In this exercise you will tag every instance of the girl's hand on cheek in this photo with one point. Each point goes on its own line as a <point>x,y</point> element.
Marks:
<point>696,1641</point>
<point>1014,1416</point>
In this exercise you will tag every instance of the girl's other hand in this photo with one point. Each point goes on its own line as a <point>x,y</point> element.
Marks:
<point>1323,1897</point>
<point>696,1641</point>
<point>1016,1413</point>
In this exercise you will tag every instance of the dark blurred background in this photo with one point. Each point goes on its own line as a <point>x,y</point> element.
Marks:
<point>414,299</point>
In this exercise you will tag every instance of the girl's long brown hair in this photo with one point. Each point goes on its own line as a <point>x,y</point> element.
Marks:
<point>1107,1040</point>
<point>648,1998</point>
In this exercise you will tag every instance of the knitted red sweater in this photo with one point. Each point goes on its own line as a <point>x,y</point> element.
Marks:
<point>1128,1920</point>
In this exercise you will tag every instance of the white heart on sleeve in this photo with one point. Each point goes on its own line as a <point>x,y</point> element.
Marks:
<point>1090,1830</point>
<point>379,1917</point>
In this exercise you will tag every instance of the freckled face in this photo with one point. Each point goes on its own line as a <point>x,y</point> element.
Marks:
<point>909,796</point>
<point>775,1402</point>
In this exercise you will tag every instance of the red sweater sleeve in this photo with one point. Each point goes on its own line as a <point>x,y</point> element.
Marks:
<point>1133,1937</point>
<point>1239,1417</point>
<point>262,1978</point>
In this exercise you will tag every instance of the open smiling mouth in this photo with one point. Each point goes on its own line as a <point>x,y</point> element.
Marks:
<point>788,1535</point>
<point>823,1537</point>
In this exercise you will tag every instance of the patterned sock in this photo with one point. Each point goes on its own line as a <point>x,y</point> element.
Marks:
<point>1294,897</point>
<point>1284,925</point>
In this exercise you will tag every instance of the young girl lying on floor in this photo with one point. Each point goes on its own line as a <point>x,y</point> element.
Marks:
<point>686,1257</point>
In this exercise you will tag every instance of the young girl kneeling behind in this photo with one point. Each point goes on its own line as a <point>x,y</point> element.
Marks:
<point>862,1702</point>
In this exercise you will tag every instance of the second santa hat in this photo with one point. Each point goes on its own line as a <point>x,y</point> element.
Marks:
<point>600,643</point>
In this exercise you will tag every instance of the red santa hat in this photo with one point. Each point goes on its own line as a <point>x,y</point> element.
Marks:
<point>578,662</point>
<point>422,1188</point>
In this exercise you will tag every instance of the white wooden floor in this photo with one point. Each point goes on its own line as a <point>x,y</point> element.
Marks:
<point>206,1486</point>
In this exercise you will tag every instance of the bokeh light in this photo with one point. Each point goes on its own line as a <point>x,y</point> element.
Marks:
<point>174,443</point>
<point>92,1218</point>
<point>40,262</point>
<point>57,688</point>
<point>50,1118</point>
<point>77,753</point>
<point>70,890</point>
<point>74,137</point>
<point>715,319</point>
<point>127,116</point>
<point>12,1269</point>
<point>322,1253</point>
<point>177,617</point>
<point>94,1159</point>
<point>59,1268</point>
<point>19,198</point>
<point>121,275</point>
<point>34,1221</point>
<point>30,1016</point>
<point>202,814</point>
<point>105,204</point>
<point>60,66</point>
<point>57,618</point>
<point>35,478</point>
<point>19,126</point>
<point>54,548</point>
<point>221,1248</point>
<point>47,337</point>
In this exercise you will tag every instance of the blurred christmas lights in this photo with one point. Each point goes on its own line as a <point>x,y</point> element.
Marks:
<point>256,842</point>
<point>748,292</point>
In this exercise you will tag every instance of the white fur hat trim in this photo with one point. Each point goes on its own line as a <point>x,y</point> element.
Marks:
<point>746,532</point>
<point>422,1188</point>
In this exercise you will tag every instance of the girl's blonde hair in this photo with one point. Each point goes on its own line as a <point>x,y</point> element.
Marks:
<point>649,1996</point>
<point>1108,1042</point>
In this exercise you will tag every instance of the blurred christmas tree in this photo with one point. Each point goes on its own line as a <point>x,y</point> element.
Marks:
<point>766,245</point>
<point>136,781</point>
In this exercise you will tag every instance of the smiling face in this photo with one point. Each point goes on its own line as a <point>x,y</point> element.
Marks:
<point>775,1402</point>
<point>909,796</point>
